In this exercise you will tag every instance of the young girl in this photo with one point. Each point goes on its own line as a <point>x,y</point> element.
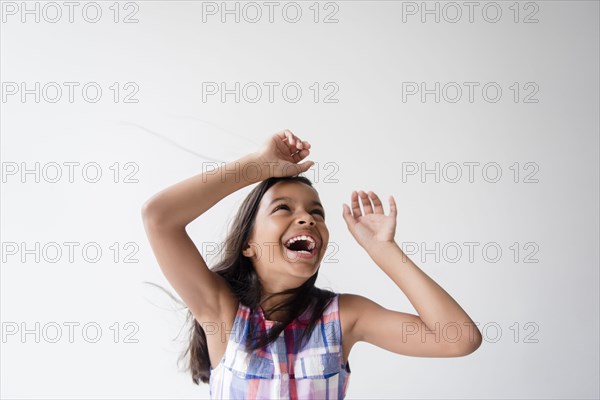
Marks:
<point>261,327</point>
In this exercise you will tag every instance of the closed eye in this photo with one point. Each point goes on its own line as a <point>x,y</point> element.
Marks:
<point>321,213</point>
<point>281,206</point>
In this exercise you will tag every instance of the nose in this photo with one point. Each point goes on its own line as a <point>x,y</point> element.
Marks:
<point>306,219</point>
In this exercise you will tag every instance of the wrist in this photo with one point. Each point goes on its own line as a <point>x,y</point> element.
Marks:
<point>268,168</point>
<point>252,168</point>
<point>378,248</point>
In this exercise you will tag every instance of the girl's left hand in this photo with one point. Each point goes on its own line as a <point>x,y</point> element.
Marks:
<point>373,227</point>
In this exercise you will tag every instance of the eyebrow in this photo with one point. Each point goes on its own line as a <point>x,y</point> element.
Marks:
<point>290,199</point>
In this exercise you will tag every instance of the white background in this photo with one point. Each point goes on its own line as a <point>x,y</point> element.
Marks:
<point>539,319</point>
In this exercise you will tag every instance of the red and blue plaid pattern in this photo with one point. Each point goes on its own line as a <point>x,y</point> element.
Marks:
<point>283,371</point>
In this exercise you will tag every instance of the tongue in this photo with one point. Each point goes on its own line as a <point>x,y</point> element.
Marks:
<point>295,255</point>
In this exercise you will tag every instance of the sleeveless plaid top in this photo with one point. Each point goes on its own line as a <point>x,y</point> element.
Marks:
<point>282,371</point>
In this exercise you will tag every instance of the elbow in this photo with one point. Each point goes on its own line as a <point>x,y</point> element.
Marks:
<point>470,341</point>
<point>155,216</point>
<point>146,211</point>
<point>468,347</point>
<point>150,213</point>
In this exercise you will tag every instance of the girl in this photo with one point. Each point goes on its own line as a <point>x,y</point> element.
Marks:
<point>261,329</point>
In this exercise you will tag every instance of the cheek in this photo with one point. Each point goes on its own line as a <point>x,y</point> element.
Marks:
<point>325,238</point>
<point>325,232</point>
<point>267,228</point>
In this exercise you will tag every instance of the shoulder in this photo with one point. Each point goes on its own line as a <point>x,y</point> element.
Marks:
<point>351,305</point>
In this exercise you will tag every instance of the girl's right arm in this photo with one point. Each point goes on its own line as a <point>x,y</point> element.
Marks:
<point>167,213</point>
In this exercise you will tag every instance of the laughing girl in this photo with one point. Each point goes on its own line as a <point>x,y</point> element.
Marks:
<point>260,326</point>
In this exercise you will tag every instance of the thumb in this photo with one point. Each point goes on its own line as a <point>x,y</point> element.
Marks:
<point>305,166</point>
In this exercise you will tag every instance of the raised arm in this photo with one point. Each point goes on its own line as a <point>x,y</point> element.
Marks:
<point>442,328</point>
<point>167,213</point>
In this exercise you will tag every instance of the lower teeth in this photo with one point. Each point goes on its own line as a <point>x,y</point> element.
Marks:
<point>301,251</point>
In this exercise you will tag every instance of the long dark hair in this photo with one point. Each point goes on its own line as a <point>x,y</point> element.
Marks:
<point>241,276</point>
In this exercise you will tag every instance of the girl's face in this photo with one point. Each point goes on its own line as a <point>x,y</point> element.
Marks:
<point>288,210</point>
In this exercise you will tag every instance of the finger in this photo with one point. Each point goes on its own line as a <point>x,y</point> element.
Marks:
<point>393,210</point>
<point>295,138</point>
<point>303,153</point>
<point>298,142</point>
<point>285,137</point>
<point>289,136</point>
<point>366,203</point>
<point>294,143</point>
<point>306,145</point>
<point>377,206</point>
<point>347,215</point>
<point>300,155</point>
<point>355,207</point>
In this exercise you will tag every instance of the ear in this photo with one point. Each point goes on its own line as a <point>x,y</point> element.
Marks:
<point>249,251</point>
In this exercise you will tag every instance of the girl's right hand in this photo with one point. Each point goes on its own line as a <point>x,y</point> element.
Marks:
<point>281,154</point>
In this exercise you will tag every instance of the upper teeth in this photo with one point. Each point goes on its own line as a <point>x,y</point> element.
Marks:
<point>311,242</point>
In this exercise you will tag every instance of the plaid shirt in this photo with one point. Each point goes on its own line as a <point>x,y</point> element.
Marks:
<point>283,371</point>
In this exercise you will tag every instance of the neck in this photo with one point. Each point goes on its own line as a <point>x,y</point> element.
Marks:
<point>268,304</point>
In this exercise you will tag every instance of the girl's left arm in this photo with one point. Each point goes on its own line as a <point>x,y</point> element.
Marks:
<point>442,328</point>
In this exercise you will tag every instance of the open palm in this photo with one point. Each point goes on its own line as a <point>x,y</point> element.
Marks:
<point>372,226</point>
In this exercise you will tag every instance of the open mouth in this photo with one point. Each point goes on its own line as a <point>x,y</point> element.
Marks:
<point>301,247</point>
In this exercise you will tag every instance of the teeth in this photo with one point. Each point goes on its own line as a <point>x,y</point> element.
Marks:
<point>311,242</point>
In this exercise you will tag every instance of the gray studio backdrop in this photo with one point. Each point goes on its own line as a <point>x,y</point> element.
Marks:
<point>481,118</point>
